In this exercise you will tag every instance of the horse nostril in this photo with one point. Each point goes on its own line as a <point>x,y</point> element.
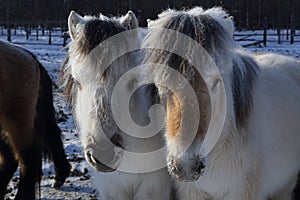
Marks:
<point>117,140</point>
<point>91,158</point>
<point>200,166</point>
<point>175,168</point>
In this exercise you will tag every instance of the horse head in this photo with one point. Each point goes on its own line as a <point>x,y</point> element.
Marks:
<point>191,51</point>
<point>92,70</point>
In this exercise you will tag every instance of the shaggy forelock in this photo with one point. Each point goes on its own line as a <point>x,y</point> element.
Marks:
<point>209,28</point>
<point>93,31</point>
<point>204,27</point>
<point>213,30</point>
<point>96,31</point>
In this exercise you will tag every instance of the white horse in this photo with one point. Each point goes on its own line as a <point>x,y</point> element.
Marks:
<point>257,156</point>
<point>90,80</point>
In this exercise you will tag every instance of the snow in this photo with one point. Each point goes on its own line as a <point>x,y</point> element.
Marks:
<point>285,48</point>
<point>78,185</point>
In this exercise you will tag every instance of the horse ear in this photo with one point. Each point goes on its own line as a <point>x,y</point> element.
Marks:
<point>129,20</point>
<point>149,21</point>
<point>73,20</point>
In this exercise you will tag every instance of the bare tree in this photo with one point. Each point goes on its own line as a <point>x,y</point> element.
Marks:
<point>246,12</point>
<point>292,9</point>
<point>8,18</point>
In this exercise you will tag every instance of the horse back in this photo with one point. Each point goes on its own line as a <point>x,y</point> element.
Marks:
<point>279,82</point>
<point>275,119</point>
<point>280,67</point>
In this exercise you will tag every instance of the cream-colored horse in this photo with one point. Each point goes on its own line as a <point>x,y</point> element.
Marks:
<point>258,153</point>
<point>90,83</point>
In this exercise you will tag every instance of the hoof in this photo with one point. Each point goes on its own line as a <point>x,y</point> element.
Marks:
<point>61,176</point>
<point>57,184</point>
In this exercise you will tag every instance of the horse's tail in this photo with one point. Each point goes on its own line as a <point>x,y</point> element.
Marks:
<point>42,113</point>
<point>47,111</point>
<point>53,145</point>
<point>47,129</point>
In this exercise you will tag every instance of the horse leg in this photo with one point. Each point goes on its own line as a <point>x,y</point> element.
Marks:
<point>55,147</point>
<point>26,146</point>
<point>8,165</point>
<point>30,163</point>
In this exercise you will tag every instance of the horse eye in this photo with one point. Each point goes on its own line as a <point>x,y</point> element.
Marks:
<point>190,71</point>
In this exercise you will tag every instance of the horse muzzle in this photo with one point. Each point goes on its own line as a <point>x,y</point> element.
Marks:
<point>102,163</point>
<point>186,172</point>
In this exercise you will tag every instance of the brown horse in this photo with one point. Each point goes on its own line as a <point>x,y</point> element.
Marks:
<point>28,126</point>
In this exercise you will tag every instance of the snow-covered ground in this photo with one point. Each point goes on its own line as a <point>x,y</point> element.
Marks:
<point>285,48</point>
<point>78,185</point>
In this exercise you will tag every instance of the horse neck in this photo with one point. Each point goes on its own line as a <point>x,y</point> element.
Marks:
<point>232,135</point>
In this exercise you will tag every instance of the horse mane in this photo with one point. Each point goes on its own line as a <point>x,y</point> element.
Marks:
<point>97,30</point>
<point>67,81</point>
<point>244,75</point>
<point>213,30</point>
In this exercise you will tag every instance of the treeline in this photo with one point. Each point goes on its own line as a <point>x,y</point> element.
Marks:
<point>250,14</point>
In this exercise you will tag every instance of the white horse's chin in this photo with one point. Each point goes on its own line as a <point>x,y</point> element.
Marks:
<point>186,167</point>
<point>104,163</point>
